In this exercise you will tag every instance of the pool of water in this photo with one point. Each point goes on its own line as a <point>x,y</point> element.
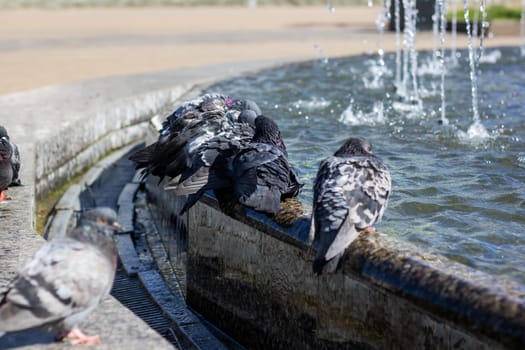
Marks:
<point>454,194</point>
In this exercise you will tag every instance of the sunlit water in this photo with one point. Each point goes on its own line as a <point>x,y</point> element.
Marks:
<point>458,189</point>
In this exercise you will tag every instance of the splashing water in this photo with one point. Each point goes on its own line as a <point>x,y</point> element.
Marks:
<point>491,57</point>
<point>351,117</point>
<point>330,7</point>
<point>476,133</point>
<point>373,79</point>
<point>476,130</point>
<point>320,52</point>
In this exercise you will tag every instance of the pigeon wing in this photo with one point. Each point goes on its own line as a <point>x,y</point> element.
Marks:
<point>15,163</point>
<point>350,194</point>
<point>65,278</point>
<point>261,176</point>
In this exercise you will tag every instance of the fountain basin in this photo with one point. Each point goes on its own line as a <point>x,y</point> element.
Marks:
<point>254,280</point>
<point>457,188</point>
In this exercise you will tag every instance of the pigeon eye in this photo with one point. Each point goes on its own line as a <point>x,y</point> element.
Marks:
<point>368,149</point>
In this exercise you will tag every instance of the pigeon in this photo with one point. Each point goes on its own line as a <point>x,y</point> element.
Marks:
<point>254,174</point>
<point>192,124</point>
<point>351,193</point>
<point>15,158</point>
<point>210,163</point>
<point>262,176</point>
<point>6,168</point>
<point>65,280</point>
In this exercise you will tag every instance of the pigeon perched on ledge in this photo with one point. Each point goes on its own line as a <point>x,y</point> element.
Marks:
<point>6,168</point>
<point>262,176</point>
<point>15,158</point>
<point>65,280</point>
<point>350,195</point>
<point>252,173</point>
<point>187,128</point>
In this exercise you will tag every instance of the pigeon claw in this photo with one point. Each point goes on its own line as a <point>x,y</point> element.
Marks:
<point>3,196</point>
<point>369,229</point>
<point>78,337</point>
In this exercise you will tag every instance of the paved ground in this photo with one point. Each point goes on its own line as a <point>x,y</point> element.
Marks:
<point>45,47</point>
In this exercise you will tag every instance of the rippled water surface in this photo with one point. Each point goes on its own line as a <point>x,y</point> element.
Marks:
<point>453,194</point>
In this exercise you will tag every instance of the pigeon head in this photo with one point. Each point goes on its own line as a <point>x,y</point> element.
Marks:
<point>6,150</point>
<point>3,132</point>
<point>267,131</point>
<point>355,146</point>
<point>103,219</point>
<point>247,116</point>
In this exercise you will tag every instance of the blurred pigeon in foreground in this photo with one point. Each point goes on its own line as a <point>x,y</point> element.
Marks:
<point>15,158</point>
<point>350,195</point>
<point>6,169</point>
<point>65,280</point>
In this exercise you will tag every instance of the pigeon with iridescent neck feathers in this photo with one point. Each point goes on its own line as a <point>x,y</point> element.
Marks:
<point>6,168</point>
<point>351,193</point>
<point>15,158</point>
<point>66,280</point>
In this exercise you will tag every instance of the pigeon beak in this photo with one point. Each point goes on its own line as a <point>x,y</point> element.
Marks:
<point>116,226</point>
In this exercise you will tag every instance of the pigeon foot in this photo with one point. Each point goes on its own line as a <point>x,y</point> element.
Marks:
<point>3,196</point>
<point>369,229</point>
<point>78,337</point>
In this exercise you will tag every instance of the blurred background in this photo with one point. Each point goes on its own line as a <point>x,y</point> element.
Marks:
<point>47,42</point>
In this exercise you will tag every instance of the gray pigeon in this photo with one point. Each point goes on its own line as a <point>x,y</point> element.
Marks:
<point>248,171</point>
<point>350,195</point>
<point>15,158</point>
<point>6,169</point>
<point>65,280</point>
<point>189,127</point>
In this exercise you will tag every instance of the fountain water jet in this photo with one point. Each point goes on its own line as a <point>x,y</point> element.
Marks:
<point>409,59</point>
<point>522,27</point>
<point>454,30</point>
<point>476,131</point>
<point>398,42</point>
<point>441,10</point>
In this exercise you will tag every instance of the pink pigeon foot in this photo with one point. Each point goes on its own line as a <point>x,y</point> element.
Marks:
<point>78,337</point>
<point>3,196</point>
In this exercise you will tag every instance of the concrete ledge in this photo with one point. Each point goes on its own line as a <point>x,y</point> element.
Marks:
<point>261,289</point>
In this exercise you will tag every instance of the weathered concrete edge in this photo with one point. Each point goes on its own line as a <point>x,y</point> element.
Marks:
<point>81,144</point>
<point>483,308</point>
